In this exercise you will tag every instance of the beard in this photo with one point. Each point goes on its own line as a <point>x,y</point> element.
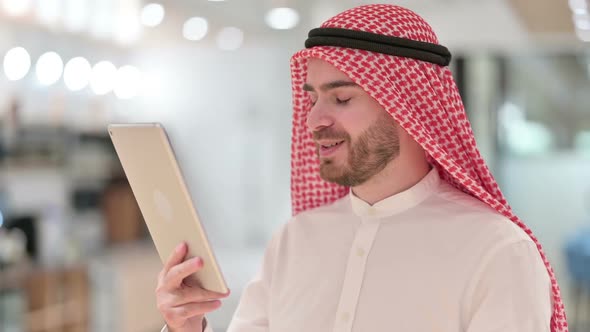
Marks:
<point>368,154</point>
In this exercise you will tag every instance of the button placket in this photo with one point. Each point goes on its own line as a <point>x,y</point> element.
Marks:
<point>360,252</point>
<point>345,317</point>
<point>354,276</point>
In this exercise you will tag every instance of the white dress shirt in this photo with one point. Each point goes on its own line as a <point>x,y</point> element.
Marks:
<point>429,259</point>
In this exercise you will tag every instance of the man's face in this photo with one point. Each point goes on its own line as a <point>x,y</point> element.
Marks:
<point>355,137</point>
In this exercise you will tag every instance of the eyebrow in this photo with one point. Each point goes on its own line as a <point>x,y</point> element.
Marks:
<point>330,85</point>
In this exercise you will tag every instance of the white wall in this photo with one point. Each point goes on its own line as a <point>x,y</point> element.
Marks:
<point>229,119</point>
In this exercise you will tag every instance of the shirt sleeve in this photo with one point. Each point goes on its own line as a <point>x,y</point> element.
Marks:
<point>252,313</point>
<point>511,293</point>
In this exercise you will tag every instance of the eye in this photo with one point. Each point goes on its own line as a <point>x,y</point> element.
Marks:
<point>342,101</point>
<point>313,99</point>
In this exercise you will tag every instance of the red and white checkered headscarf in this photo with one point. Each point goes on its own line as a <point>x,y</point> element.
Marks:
<point>422,97</point>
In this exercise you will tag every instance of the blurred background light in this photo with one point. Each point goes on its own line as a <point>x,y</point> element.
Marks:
<point>152,14</point>
<point>582,21</point>
<point>102,79</point>
<point>282,18</point>
<point>17,63</point>
<point>128,28</point>
<point>49,68</point>
<point>529,138</point>
<point>48,11</point>
<point>77,73</point>
<point>578,6</point>
<point>230,38</point>
<point>195,28</point>
<point>128,82</point>
<point>523,137</point>
<point>16,7</point>
<point>128,32</point>
<point>102,20</point>
<point>75,15</point>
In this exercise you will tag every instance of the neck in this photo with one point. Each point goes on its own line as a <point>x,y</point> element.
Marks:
<point>399,175</point>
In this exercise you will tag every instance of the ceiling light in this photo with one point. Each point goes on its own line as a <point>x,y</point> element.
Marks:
<point>77,73</point>
<point>49,68</point>
<point>195,28</point>
<point>17,63</point>
<point>282,18</point>
<point>103,77</point>
<point>152,14</point>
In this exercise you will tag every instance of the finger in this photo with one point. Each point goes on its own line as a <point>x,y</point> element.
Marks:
<point>173,279</point>
<point>186,295</point>
<point>192,281</point>
<point>193,309</point>
<point>176,257</point>
<point>197,294</point>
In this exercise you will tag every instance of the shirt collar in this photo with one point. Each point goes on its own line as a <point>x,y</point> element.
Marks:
<point>398,202</point>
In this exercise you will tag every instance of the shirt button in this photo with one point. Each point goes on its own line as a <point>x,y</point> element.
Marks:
<point>345,317</point>
<point>360,252</point>
<point>372,211</point>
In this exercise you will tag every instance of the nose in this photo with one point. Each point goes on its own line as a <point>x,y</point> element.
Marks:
<point>318,117</point>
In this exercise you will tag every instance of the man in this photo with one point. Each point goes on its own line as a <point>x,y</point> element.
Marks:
<point>398,224</point>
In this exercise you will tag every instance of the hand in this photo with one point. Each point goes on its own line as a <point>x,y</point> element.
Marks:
<point>183,303</point>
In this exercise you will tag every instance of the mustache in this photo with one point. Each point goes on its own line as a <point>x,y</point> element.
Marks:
<point>330,133</point>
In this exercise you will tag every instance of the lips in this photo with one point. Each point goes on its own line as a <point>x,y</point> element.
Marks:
<point>327,146</point>
<point>326,149</point>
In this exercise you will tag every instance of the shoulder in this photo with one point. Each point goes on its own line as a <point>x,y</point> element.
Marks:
<point>475,218</point>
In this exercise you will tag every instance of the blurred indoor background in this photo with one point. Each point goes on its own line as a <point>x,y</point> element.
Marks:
<point>75,254</point>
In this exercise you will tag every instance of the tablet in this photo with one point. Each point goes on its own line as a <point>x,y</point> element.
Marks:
<point>163,198</point>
